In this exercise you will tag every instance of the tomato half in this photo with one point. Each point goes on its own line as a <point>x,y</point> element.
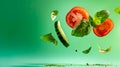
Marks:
<point>75,15</point>
<point>104,28</point>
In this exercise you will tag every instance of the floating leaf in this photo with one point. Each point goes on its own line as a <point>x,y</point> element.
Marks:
<point>49,38</point>
<point>87,50</point>
<point>54,14</point>
<point>82,29</point>
<point>117,10</point>
<point>104,51</point>
<point>92,22</point>
<point>101,16</point>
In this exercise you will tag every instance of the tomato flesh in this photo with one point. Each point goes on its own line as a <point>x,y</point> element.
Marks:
<point>75,15</point>
<point>104,28</point>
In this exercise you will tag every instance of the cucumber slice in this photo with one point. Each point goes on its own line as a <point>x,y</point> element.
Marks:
<point>60,33</point>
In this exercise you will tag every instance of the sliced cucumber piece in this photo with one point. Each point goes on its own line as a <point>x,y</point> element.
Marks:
<point>60,33</point>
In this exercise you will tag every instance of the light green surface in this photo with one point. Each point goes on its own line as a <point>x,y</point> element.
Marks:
<point>22,22</point>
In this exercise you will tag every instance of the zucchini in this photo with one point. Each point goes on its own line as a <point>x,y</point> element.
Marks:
<point>60,33</point>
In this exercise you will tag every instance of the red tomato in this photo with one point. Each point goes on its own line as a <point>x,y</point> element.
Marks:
<point>104,28</point>
<point>75,15</point>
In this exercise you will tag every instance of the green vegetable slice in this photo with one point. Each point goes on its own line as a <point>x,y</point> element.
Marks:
<point>104,51</point>
<point>82,29</point>
<point>87,50</point>
<point>49,38</point>
<point>60,33</point>
<point>54,14</point>
<point>101,16</point>
<point>117,10</point>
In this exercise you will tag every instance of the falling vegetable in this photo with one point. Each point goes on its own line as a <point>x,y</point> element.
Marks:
<point>75,15</point>
<point>104,28</point>
<point>54,14</point>
<point>92,22</point>
<point>102,25</point>
<point>117,10</point>
<point>101,16</point>
<point>81,23</point>
<point>60,33</point>
<point>87,50</point>
<point>49,38</point>
<point>104,51</point>
<point>82,29</point>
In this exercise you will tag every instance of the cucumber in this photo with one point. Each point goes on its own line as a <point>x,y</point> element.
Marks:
<point>60,33</point>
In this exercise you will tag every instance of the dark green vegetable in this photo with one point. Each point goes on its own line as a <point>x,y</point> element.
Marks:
<point>82,29</point>
<point>49,38</point>
<point>92,22</point>
<point>60,33</point>
<point>101,16</point>
<point>117,10</point>
<point>87,50</point>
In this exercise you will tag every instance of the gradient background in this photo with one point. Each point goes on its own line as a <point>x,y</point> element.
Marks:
<point>22,22</point>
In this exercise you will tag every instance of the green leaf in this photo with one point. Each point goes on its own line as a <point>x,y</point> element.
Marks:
<point>104,50</point>
<point>92,22</point>
<point>87,50</point>
<point>49,38</point>
<point>82,29</point>
<point>54,14</point>
<point>101,16</point>
<point>117,10</point>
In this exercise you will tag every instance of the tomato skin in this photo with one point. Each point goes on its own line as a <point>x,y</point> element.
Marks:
<point>75,15</point>
<point>104,28</point>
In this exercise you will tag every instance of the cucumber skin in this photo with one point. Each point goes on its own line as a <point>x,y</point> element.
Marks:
<point>59,35</point>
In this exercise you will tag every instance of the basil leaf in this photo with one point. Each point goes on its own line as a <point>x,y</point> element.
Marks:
<point>104,51</point>
<point>87,50</point>
<point>49,38</point>
<point>82,29</point>
<point>92,22</point>
<point>54,14</point>
<point>101,16</point>
<point>117,10</point>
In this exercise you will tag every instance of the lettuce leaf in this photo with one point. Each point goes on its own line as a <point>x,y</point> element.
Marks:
<point>92,22</point>
<point>101,16</point>
<point>82,29</point>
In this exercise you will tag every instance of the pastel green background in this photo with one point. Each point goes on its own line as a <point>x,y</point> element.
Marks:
<point>22,22</point>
